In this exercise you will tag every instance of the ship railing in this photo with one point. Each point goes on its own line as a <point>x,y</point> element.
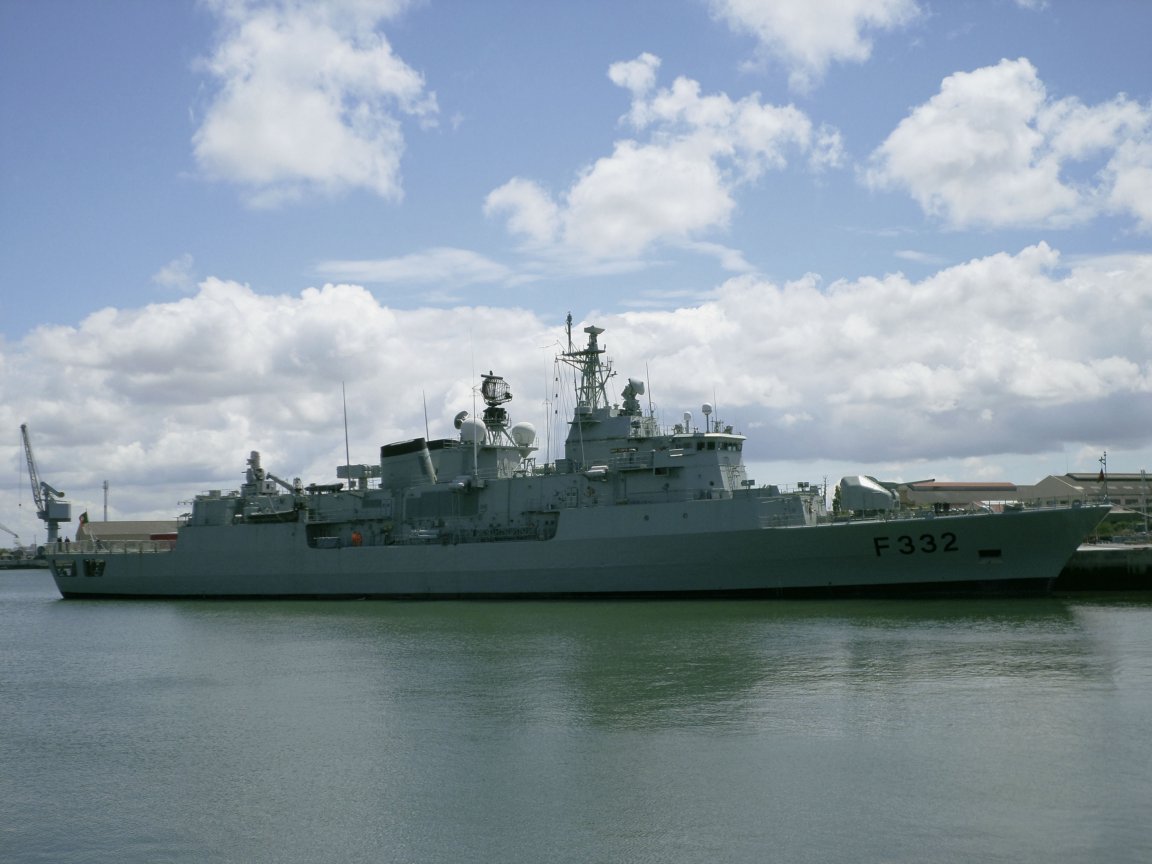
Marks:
<point>906,513</point>
<point>648,426</point>
<point>999,508</point>
<point>109,547</point>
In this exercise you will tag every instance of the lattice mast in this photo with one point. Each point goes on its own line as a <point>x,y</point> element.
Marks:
<point>592,372</point>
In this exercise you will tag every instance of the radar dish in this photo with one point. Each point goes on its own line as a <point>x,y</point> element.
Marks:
<point>495,390</point>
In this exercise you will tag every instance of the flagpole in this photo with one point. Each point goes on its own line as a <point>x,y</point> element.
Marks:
<point>347,452</point>
<point>1104,476</point>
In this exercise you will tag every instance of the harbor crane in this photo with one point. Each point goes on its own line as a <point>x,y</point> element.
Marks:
<point>51,510</point>
<point>8,530</point>
<point>18,550</point>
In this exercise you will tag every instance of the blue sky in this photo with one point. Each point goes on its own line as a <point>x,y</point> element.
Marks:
<point>904,237</point>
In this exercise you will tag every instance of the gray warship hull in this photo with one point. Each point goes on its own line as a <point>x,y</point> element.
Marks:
<point>1020,552</point>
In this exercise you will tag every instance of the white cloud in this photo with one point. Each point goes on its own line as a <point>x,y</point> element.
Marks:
<point>637,75</point>
<point>1129,173</point>
<point>644,193</point>
<point>309,101</point>
<point>992,149</point>
<point>729,259</point>
<point>531,212</point>
<point>441,266</point>
<point>1005,354</point>
<point>675,183</point>
<point>807,36</point>
<point>178,274</point>
<point>827,149</point>
<point>918,257</point>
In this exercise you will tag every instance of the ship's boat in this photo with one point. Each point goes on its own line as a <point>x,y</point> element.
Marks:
<point>631,509</point>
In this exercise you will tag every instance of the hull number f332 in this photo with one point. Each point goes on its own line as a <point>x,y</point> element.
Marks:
<point>907,544</point>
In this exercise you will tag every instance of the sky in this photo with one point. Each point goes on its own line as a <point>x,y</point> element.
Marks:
<point>904,238</point>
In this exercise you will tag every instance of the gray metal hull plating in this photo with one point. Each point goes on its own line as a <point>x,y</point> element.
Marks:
<point>602,552</point>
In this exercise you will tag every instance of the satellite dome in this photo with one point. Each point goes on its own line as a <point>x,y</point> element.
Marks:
<point>523,434</point>
<point>473,431</point>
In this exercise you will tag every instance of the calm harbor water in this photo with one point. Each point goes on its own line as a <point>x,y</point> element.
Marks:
<point>830,731</point>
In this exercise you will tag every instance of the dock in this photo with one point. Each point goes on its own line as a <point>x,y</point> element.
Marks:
<point>1107,567</point>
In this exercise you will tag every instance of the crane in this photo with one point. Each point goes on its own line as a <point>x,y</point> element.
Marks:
<point>18,550</point>
<point>48,508</point>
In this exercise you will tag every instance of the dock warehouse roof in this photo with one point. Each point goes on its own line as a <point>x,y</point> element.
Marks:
<point>1123,489</point>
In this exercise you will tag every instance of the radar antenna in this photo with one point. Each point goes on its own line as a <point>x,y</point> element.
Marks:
<point>495,392</point>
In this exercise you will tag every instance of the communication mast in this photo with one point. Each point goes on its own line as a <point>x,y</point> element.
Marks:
<point>48,508</point>
<point>594,374</point>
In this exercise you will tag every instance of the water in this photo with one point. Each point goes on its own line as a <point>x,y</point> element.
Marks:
<point>854,731</point>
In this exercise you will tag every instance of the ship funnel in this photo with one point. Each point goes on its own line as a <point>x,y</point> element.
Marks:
<point>406,463</point>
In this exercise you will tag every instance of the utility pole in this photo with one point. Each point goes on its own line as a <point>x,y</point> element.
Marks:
<point>1144,499</point>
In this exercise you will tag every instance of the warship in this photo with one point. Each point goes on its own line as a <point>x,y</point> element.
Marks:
<point>632,509</point>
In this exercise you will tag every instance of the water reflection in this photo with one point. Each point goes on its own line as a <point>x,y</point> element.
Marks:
<point>653,664</point>
<point>522,732</point>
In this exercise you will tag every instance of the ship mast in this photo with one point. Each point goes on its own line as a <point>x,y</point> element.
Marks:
<point>592,374</point>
